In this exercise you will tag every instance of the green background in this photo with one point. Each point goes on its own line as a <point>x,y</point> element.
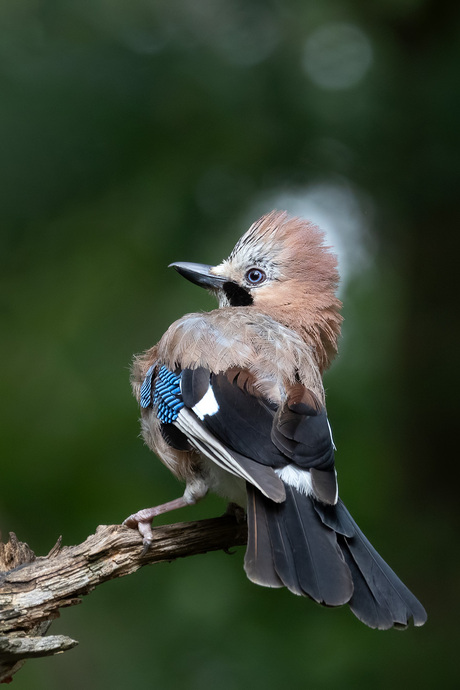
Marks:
<point>138,133</point>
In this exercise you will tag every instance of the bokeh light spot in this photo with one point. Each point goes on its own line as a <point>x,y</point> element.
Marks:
<point>341,211</point>
<point>337,56</point>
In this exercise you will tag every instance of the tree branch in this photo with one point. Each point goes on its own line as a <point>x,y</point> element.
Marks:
<point>32,590</point>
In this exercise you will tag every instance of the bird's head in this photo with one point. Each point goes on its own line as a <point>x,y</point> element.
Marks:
<point>280,267</point>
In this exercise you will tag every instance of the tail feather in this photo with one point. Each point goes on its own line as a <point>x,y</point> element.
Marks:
<point>319,551</point>
<point>284,561</point>
<point>258,561</point>
<point>363,603</point>
<point>380,599</point>
<point>304,553</point>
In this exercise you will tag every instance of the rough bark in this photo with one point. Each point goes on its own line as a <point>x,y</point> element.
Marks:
<point>32,590</point>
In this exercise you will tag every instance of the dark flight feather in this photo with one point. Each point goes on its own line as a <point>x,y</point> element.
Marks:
<point>258,560</point>
<point>380,599</point>
<point>324,483</point>
<point>194,384</point>
<point>303,433</point>
<point>243,421</point>
<point>305,553</point>
<point>263,477</point>
<point>250,425</point>
<point>175,438</point>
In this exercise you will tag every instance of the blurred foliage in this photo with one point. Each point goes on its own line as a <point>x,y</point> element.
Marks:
<point>138,133</point>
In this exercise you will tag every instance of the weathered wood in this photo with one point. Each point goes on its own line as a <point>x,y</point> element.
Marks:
<point>33,589</point>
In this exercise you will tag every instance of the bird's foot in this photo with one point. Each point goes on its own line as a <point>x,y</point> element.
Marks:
<point>142,520</point>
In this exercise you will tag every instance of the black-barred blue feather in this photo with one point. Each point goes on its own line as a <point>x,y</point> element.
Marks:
<point>166,396</point>
<point>146,389</point>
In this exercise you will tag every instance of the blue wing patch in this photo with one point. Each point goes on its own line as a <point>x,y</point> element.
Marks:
<point>166,395</point>
<point>146,389</point>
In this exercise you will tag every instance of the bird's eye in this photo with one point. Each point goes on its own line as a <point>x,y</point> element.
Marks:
<point>255,276</point>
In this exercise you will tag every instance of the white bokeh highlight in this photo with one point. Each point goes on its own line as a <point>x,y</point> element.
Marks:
<point>343,213</point>
<point>337,56</point>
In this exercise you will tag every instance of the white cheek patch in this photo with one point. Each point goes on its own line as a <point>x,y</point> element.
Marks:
<point>297,478</point>
<point>208,405</point>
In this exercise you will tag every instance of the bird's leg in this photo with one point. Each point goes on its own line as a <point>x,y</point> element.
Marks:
<point>142,520</point>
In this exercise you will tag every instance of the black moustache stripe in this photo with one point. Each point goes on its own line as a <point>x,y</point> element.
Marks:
<point>237,295</point>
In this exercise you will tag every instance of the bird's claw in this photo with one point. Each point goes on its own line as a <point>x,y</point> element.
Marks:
<point>146,546</point>
<point>144,528</point>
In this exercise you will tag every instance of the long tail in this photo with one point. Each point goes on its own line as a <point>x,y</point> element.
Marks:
<point>319,551</point>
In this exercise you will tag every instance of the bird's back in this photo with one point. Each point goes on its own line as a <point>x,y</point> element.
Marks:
<point>236,337</point>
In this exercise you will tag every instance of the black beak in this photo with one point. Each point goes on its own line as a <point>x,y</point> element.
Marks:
<point>199,274</point>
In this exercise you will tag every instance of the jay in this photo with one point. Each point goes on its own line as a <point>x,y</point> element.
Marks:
<point>232,401</point>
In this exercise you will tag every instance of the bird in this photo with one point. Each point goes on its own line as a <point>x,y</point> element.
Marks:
<point>232,402</point>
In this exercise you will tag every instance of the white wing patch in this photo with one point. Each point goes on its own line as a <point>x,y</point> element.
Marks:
<point>208,405</point>
<point>330,433</point>
<point>297,478</point>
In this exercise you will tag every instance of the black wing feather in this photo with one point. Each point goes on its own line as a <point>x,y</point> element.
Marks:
<point>194,384</point>
<point>244,422</point>
<point>305,435</point>
<point>175,438</point>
